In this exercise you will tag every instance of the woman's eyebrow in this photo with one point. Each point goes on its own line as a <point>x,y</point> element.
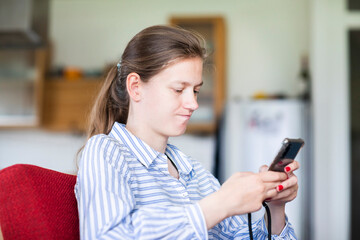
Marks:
<point>200,84</point>
<point>184,83</point>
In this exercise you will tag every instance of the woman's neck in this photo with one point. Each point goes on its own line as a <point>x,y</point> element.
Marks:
<point>154,140</point>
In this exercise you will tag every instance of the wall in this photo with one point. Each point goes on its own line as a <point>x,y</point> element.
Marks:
<point>329,53</point>
<point>51,150</point>
<point>265,39</point>
<point>57,151</point>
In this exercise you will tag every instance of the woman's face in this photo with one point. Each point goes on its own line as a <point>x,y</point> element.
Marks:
<point>170,97</point>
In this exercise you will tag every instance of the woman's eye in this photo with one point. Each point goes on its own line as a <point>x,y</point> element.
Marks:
<point>196,92</point>
<point>178,90</point>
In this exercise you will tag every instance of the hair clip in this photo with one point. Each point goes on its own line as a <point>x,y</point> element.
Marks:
<point>118,66</point>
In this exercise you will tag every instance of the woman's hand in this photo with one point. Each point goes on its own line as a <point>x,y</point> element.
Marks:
<point>242,193</point>
<point>287,190</point>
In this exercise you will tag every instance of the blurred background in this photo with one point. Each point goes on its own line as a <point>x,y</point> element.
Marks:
<point>276,69</point>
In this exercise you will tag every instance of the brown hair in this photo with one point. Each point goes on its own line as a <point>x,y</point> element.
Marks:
<point>147,53</point>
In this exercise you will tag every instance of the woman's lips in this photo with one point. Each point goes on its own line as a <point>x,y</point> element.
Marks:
<point>186,116</point>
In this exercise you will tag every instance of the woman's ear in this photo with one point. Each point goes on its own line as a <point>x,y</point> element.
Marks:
<point>133,82</point>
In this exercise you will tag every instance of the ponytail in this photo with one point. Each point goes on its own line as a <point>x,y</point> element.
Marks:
<point>111,104</point>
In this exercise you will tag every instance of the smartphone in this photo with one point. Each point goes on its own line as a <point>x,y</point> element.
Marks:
<point>287,153</point>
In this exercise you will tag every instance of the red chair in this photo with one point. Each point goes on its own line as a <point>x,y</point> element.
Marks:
<point>37,203</point>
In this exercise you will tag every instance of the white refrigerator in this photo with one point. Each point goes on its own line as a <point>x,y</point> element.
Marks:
<point>251,134</point>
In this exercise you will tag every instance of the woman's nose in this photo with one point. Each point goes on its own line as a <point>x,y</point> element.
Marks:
<point>190,102</point>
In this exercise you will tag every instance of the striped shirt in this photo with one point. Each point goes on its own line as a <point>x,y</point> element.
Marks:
<point>124,191</point>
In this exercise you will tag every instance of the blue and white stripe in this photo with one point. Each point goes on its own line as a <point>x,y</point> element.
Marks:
<point>124,191</point>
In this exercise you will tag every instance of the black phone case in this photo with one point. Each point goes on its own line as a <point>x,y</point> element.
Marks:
<point>287,153</point>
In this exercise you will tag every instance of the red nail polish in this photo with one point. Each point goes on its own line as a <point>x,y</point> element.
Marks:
<point>287,169</point>
<point>280,187</point>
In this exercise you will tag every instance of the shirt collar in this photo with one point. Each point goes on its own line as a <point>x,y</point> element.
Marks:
<point>146,154</point>
<point>182,161</point>
<point>143,152</point>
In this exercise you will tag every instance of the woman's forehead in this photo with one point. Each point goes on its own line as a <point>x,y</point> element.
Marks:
<point>184,71</point>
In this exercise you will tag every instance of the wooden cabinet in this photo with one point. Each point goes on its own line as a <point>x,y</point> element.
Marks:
<point>22,72</point>
<point>68,103</point>
<point>212,95</point>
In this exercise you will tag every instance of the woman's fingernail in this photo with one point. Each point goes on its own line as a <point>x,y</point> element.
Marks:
<point>280,187</point>
<point>267,200</point>
<point>287,169</point>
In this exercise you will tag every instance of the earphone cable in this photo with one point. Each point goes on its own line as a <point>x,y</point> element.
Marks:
<point>268,214</point>
<point>268,218</point>
<point>250,228</point>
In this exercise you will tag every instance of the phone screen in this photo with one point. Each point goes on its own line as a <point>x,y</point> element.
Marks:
<point>287,153</point>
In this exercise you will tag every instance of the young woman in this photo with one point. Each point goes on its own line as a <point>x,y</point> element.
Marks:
<point>132,184</point>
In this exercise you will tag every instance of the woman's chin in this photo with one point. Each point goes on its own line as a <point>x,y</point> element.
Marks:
<point>179,131</point>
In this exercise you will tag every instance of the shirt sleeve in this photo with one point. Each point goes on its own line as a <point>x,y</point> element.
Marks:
<point>237,228</point>
<point>106,203</point>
